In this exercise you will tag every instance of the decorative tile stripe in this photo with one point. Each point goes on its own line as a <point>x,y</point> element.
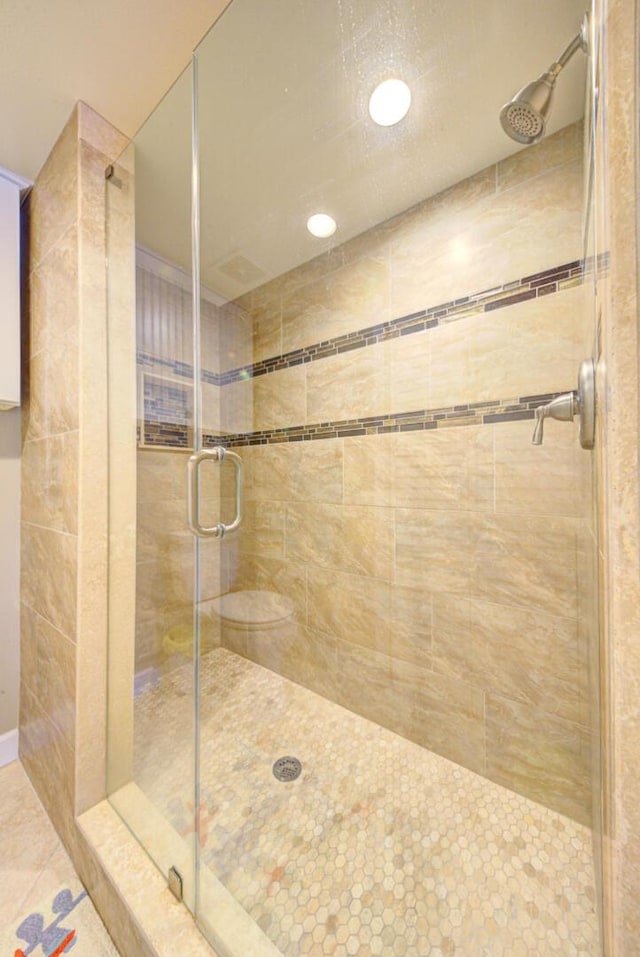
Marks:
<point>165,435</point>
<point>475,413</point>
<point>519,290</point>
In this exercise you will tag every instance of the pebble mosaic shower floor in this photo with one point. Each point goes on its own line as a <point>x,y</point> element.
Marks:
<point>379,847</point>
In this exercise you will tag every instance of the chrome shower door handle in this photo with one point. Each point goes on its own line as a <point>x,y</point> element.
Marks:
<point>219,530</point>
<point>237,461</point>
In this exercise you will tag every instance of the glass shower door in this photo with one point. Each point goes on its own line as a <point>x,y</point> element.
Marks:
<point>152,731</point>
<point>353,629</point>
<point>395,718</point>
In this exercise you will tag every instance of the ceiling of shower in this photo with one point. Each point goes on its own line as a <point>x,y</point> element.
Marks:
<point>285,132</point>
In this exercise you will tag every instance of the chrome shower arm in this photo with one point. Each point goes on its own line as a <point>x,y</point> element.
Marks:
<point>524,117</point>
<point>579,42</point>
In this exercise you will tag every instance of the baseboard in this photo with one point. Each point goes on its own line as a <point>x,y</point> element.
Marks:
<point>8,747</point>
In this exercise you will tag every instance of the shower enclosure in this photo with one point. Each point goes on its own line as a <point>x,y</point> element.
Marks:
<point>353,693</point>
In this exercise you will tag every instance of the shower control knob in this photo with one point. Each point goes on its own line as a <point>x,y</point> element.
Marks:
<point>564,407</point>
<point>587,403</point>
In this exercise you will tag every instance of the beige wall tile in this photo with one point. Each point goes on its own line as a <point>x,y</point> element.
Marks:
<point>527,656</point>
<point>530,348</point>
<point>353,297</point>
<point>53,200</point>
<point>542,214</point>
<point>446,716</point>
<point>359,668</point>
<point>49,569</point>
<point>316,471</point>
<point>33,388</point>
<point>527,561</point>
<point>349,538</point>
<point>62,386</point>
<point>236,406</point>
<point>410,369</point>
<point>150,589</point>
<point>349,385</point>
<point>263,530</point>
<point>433,247</point>
<point>235,337</point>
<point>444,469</point>
<point>267,472</point>
<point>279,399</point>
<point>313,661</point>
<point>373,614</point>
<point>94,129</point>
<point>211,413</point>
<point>518,560</point>
<point>50,764</point>
<point>436,550</point>
<point>550,479</point>
<point>148,635</point>
<point>543,757</point>
<point>52,389</point>
<point>295,471</point>
<point>210,322</point>
<point>449,377</point>
<point>368,470</point>
<point>51,671</point>
<point>161,475</point>
<point>413,622</point>
<point>314,269</point>
<point>303,655</point>
<point>156,521</point>
<point>49,482</point>
<point>266,312</point>
<point>483,238</point>
<point>565,146</point>
<point>257,573</point>
<point>53,293</point>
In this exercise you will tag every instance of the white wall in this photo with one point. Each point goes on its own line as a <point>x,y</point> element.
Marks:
<point>9,569</point>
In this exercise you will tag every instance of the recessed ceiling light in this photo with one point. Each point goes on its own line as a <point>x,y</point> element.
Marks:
<point>389,102</point>
<point>321,225</point>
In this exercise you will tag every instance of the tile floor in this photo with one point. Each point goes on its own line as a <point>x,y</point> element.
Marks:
<point>379,847</point>
<point>44,910</point>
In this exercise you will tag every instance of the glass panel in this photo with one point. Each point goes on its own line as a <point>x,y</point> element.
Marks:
<point>151,696</point>
<point>406,615</point>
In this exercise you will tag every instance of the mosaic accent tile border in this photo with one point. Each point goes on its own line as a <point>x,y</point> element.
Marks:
<point>535,286</point>
<point>164,435</point>
<point>477,413</point>
<point>455,416</point>
<point>519,290</point>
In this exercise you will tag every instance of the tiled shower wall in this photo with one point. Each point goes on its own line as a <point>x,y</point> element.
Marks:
<point>393,494</point>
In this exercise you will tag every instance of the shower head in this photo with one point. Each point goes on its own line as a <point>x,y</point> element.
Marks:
<point>524,117</point>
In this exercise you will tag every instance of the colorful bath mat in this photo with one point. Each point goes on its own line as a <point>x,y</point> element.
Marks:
<point>65,922</point>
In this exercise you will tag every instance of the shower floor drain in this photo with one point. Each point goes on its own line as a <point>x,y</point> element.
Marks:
<point>287,769</point>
